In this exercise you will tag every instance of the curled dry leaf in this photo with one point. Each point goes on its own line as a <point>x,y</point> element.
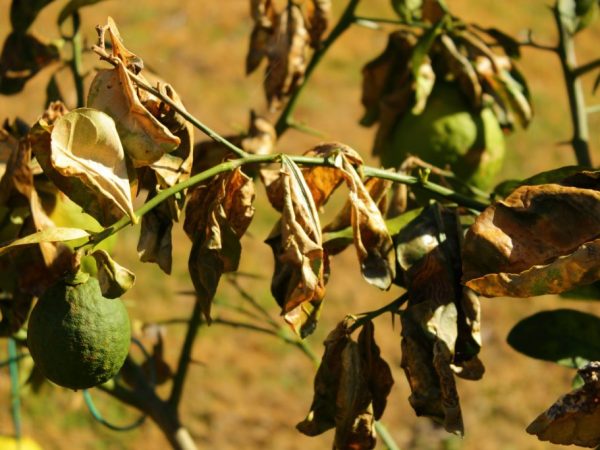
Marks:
<point>145,138</point>
<point>286,52</point>
<point>82,154</point>
<point>114,279</point>
<point>350,389</point>
<point>372,240</point>
<point>318,15</point>
<point>298,283</point>
<point>218,214</point>
<point>462,70</point>
<point>574,418</point>
<point>441,325</point>
<point>155,243</point>
<point>540,240</point>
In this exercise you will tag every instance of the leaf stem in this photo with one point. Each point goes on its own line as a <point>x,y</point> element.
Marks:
<point>368,316</point>
<point>577,108</point>
<point>347,18</point>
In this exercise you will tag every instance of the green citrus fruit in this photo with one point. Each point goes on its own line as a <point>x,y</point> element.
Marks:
<point>448,133</point>
<point>76,337</point>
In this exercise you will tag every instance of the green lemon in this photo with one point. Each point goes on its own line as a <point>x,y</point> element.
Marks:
<point>448,133</point>
<point>76,337</point>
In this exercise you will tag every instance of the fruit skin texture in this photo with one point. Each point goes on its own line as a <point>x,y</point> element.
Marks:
<point>76,337</point>
<point>449,133</point>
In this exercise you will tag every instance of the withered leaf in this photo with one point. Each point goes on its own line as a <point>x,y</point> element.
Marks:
<point>218,213</point>
<point>22,57</point>
<point>351,388</point>
<point>539,240</point>
<point>318,14</point>
<point>298,283</point>
<point>287,56</point>
<point>113,278</point>
<point>372,241</point>
<point>155,243</point>
<point>82,154</point>
<point>24,13</point>
<point>441,325</point>
<point>574,418</point>
<point>462,70</point>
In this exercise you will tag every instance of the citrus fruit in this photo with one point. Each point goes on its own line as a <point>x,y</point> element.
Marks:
<point>76,337</point>
<point>25,443</point>
<point>449,133</point>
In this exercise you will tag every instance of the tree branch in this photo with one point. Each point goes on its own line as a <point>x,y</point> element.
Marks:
<point>585,68</point>
<point>568,62</point>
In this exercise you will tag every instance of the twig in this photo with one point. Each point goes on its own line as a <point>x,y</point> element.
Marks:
<point>585,68</point>
<point>368,316</point>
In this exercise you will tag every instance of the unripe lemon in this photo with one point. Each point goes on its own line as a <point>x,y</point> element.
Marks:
<point>76,337</point>
<point>448,133</point>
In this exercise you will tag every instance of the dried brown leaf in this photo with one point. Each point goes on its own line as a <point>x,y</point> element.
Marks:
<point>155,242</point>
<point>462,70</point>
<point>217,215</point>
<point>318,16</point>
<point>540,239</point>
<point>573,419</point>
<point>298,282</point>
<point>287,56</point>
<point>351,388</point>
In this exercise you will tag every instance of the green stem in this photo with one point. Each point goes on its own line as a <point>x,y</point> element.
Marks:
<point>185,356</point>
<point>15,396</point>
<point>76,60</point>
<point>385,436</point>
<point>347,18</point>
<point>577,108</point>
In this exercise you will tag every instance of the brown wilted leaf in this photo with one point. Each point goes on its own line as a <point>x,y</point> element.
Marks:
<point>145,139</point>
<point>540,240</point>
<point>385,79</point>
<point>350,389</point>
<point>298,283</point>
<point>113,278</point>
<point>287,56</point>
<point>218,214</point>
<point>155,243</point>
<point>372,240</point>
<point>441,325</point>
<point>318,15</point>
<point>573,419</point>
<point>82,154</point>
<point>462,70</point>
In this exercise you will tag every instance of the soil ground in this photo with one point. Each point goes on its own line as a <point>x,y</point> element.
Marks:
<point>247,390</point>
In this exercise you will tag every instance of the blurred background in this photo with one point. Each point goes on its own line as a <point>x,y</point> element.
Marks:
<point>248,390</point>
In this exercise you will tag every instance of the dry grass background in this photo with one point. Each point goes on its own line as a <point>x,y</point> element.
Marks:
<point>247,390</point>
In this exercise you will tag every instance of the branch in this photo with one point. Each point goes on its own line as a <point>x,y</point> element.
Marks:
<point>568,62</point>
<point>347,18</point>
<point>367,317</point>
<point>585,68</point>
<point>185,356</point>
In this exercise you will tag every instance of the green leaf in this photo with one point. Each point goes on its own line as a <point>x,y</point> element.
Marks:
<point>563,336</point>
<point>575,15</point>
<point>72,7</point>
<point>421,50</point>
<point>58,234</point>
<point>24,12</point>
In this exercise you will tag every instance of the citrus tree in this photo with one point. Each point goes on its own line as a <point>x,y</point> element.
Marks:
<point>443,93</point>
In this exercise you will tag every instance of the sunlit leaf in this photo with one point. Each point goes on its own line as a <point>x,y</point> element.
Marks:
<point>462,69</point>
<point>47,235</point>
<point>298,283</point>
<point>563,336</point>
<point>573,419</point>
<point>85,160</point>
<point>575,15</point>
<point>539,240</point>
